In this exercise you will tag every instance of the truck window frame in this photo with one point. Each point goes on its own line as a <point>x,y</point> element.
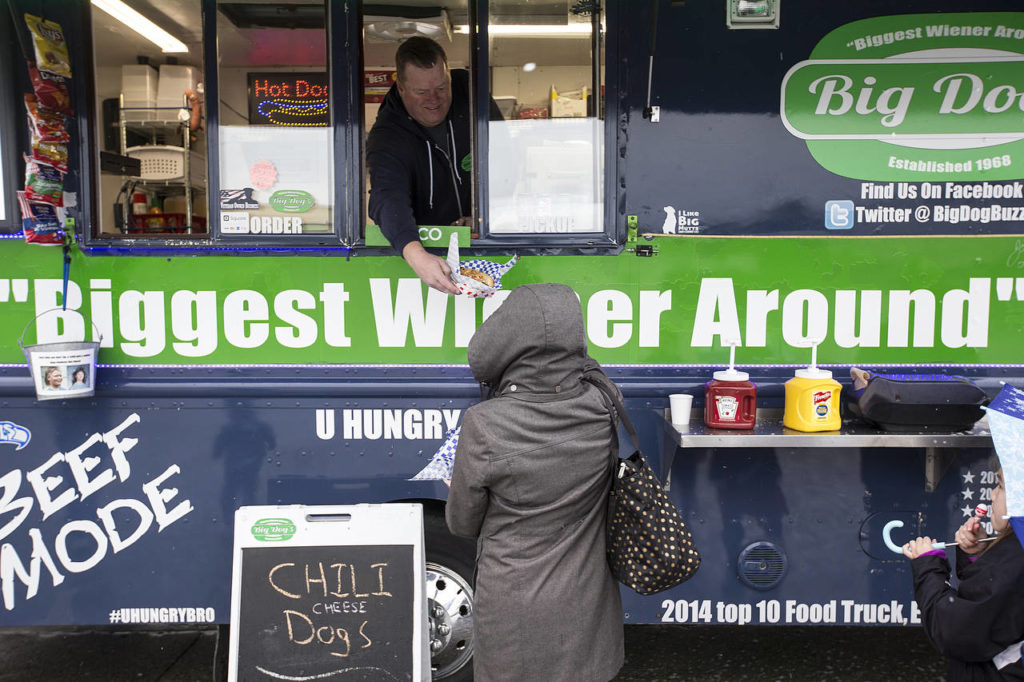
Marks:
<point>338,27</point>
<point>330,243</point>
<point>10,135</point>
<point>613,235</point>
<point>345,54</point>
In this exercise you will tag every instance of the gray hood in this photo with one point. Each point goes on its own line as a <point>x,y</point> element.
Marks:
<point>534,343</point>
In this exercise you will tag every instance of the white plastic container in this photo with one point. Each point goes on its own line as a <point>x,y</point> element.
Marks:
<point>162,162</point>
<point>174,80</point>
<point>138,90</point>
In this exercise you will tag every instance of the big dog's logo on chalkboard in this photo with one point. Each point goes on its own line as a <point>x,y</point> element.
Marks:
<point>328,612</point>
<point>273,530</point>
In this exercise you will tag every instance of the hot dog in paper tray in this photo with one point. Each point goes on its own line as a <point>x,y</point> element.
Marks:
<point>477,278</point>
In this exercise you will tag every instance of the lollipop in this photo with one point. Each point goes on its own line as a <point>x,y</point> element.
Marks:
<point>980,512</point>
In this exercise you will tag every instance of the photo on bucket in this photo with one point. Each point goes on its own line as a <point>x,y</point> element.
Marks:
<point>63,374</point>
<point>62,369</point>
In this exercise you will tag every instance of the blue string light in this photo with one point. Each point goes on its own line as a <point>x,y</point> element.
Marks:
<point>271,107</point>
<point>214,249</point>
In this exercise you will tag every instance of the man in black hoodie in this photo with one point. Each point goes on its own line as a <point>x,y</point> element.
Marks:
<point>419,154</point>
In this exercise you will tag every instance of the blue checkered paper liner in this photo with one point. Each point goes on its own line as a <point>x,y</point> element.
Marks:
<point>440,466</point>
<point>470,286</point>
<point>493,269</point>
<point>1006,422</point>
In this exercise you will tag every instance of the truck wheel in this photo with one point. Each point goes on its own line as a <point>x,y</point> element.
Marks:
<point>450,562</point>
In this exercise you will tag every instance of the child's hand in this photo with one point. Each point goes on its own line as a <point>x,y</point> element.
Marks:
<point>967,536</point>
<point>916,548</point>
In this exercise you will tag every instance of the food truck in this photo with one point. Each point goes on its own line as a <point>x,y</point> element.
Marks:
<point>844,179</point>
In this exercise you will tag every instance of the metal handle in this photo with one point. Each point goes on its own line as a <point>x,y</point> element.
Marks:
<point>21,339</point>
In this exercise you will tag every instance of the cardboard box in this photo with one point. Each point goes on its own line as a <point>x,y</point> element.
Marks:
<point>569,104</point>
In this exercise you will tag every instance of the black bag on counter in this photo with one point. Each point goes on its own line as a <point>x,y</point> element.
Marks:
<point>912,402</point>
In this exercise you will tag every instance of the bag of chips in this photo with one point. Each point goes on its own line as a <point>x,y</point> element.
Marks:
<point>40,222</point>
<point>51,49</point>
<point>43,183</point>
<point>55,155</point>
<point>46,126</point>
<point>51,90</point>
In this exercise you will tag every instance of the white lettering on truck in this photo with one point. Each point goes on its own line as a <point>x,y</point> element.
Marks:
<point>60,481</point>
<point>406,314</point>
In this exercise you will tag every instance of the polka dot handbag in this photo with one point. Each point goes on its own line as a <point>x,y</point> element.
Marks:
<point>649,547</point>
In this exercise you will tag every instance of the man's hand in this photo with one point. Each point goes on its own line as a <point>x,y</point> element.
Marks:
<point>433,270</point>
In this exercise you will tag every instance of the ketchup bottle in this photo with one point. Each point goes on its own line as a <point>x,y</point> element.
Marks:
<point>730,399</point>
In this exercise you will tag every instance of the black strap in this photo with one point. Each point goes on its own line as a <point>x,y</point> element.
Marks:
<point>623,417</point>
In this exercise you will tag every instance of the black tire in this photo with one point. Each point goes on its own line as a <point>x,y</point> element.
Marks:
<point>450,568</point>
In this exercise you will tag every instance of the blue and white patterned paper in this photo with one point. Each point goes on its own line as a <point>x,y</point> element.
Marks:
<point>440,466</point>
<point>1006,421</point>
<point>468,285</point>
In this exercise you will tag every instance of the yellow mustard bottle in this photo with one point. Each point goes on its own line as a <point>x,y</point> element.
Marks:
<point>812,399</point>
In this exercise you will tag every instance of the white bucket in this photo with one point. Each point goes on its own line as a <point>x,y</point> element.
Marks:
<point>66,369</point>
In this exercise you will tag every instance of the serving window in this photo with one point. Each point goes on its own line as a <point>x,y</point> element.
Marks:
<point>275,144</point>
<point>385,25</point>
<point>538,167</point>
<point>253,135</point>
<point>151,129</point>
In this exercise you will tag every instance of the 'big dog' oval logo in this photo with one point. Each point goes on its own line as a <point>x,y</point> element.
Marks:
<point>273,530</point>
<point>913,97</point>
<point>291,201</point>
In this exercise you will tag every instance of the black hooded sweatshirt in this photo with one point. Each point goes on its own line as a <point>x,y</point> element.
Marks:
<point>413,180</point>
<point>984,615</point>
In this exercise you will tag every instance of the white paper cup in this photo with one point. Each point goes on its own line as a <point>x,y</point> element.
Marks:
<point>680,405</point>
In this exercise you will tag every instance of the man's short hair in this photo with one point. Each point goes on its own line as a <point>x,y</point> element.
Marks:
<point>420,52</point>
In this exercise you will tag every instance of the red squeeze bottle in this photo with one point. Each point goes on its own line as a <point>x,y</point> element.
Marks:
<point>730,399</point>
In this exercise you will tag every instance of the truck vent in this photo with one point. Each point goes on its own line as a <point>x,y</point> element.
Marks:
<point>761,565</point>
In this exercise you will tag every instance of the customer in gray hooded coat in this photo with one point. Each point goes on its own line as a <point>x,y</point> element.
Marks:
<point>531,480</point>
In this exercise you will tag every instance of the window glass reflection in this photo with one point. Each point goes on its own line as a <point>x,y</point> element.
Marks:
<point>3,182</point>
<point>151,109</point>
<point>276,143</point>
<point>545,161</point>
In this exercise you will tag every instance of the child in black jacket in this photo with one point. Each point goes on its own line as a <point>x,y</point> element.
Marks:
<point>978,627</point>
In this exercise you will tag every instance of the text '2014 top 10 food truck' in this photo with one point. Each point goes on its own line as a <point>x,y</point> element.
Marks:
<point>774,176</point>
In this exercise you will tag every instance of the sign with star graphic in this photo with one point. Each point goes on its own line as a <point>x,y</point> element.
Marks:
<point>977,492</point>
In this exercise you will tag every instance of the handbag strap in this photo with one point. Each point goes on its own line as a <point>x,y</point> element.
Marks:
<point>617,404</point>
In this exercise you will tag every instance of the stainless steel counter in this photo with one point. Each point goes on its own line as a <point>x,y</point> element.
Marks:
<point>769,432</point>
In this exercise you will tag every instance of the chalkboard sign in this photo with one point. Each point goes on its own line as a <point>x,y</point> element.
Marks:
<point>329,593</point>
